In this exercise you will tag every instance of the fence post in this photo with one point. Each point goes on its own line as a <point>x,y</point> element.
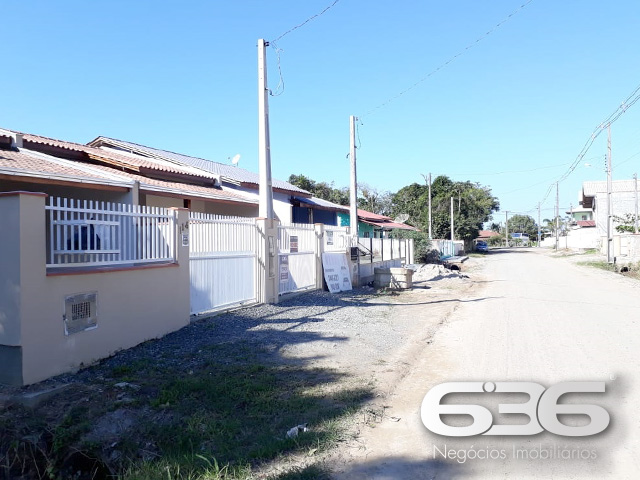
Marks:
<point>319,250</point>
<point>267,268</point>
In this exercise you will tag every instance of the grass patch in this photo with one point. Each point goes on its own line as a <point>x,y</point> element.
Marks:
<point>600,264</point>
<point>223,415</point>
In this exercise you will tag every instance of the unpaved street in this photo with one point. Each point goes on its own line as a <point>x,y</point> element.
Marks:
<point>534,318</point>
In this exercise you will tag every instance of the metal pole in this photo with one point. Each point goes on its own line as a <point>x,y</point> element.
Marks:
<point>539,239</point>
<point>609,205</point>
<point>452,235</point>
<point>635,189</point>
<point>265,208</point>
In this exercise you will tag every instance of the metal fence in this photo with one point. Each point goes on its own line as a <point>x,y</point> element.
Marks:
<point>382,249</point>
<point>336,239</point>
<point>296,257</point>
<point>91,233</point>
<point>222,261</point>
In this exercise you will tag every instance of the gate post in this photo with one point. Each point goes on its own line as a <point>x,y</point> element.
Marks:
<point>267,268</point>
<point>319,250</point>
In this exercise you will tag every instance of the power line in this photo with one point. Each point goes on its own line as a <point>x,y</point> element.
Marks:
<point>617,113</point>
<point>279,90</point>
<point>304,23</point>
<point>461,52</point>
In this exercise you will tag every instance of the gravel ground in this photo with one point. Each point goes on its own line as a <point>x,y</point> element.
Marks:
<point>357,330</point>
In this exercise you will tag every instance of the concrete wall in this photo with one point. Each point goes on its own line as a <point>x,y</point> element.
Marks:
<point>622,203</point>
<point>586,237</point>
<point>133,305</point>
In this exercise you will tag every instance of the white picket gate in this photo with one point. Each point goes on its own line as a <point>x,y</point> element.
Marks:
<point>296,258</point>
<point>222,261</point>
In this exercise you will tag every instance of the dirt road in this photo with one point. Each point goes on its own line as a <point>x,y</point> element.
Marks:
<point>536,319</point>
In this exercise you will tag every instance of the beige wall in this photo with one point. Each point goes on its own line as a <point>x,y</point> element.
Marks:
<point>134,305</point>
<point>76,192</point>
<point>164,202</point>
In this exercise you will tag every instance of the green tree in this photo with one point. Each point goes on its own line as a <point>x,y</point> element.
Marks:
<point>412,200</point>
<point>473,206</point>
<point>523,224</point>
<point>321,190</point>
<point>373,200</point>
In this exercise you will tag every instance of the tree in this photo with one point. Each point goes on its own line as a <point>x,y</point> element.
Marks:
<point>373,200</point>
<point>523,224</point>
<point>473,206</point>
<point>321,190</point>
<point>626,223</point>
<point>412,200</point>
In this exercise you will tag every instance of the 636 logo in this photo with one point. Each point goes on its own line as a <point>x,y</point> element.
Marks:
<point>542,409</point>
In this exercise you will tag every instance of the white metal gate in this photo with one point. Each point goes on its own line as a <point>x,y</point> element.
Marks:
<point>222,261</point>
<point>296,258</point>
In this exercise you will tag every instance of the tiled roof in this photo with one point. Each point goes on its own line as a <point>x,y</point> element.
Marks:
<point>487,233</point>
<point>39,165</point>
<point>586,223</point>
<point>363,214</point>
<point>152,184</point>
<point>401,226</point>
<point>135,162</point>
<point>236,174</point>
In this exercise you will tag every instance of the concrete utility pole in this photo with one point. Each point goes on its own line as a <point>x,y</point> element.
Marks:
<point>452,235</point>
<point>557,216</point>
<point>635,190</point>
<point>427,181</point>
<point>609,204</point>
<point>506,226</point>
<point>353,196</point>
<point>430,237</point>
<point>539,239</point>
<point>265,207</point>
<point>353,193</point>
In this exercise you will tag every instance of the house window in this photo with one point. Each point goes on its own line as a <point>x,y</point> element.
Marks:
<point>366,234</point>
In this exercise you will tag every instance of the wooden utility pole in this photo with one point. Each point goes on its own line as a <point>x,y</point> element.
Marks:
<point>609,198</point>
<point>265,207</point>
<point>635,196</point>
<point>452,235</point>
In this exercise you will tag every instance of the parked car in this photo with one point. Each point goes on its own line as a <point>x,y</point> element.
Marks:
<point>482,246</point>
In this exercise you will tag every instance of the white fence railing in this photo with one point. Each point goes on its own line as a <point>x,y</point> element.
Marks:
<point>91,233</point>
<point>296,257</point>
<point>222,261</point>
<point>446,247</point>
<point>382,249</point>
<point>336,239</point>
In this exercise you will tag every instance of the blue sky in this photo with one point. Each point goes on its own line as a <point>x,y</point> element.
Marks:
<point>511,113</point>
